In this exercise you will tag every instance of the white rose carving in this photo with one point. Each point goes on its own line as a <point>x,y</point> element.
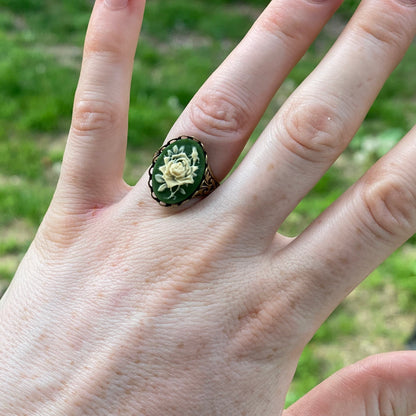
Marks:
<point>178,170</point>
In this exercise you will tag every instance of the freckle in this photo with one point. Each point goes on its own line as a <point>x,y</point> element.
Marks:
<point>135,222</point>
<point>270,167</point>
<point>344,260</point>
<point>140,204</point>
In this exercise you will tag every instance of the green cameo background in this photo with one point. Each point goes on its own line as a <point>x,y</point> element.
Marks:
<point>178,170</point>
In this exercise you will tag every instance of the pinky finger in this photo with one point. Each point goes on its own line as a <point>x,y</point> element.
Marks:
<point>383,384</point>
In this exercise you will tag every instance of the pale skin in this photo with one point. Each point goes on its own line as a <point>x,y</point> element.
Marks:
<point>124,307</point>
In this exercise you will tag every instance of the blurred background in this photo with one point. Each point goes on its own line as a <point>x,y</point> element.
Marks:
<point>182,43</point>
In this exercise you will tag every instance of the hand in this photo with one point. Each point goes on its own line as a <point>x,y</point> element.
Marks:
<point>124,307</point>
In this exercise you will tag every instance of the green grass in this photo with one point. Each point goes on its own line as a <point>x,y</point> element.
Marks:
<point>182,43</point>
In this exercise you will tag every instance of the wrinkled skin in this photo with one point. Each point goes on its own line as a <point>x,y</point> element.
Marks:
<point>123,307</point>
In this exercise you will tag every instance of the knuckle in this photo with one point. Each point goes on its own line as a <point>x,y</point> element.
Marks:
<point>93,115</point>
<point>218,113</point>
<point>103,46</point>
<point>275,21</point>
<point>390,205</point>
<point>256,326</point>
<point>311,131</point>
<point>260,329</point>
<point>388,29</point>
<point>411,3</point>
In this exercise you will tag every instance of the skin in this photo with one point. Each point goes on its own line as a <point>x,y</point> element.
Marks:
<point>123,307</point>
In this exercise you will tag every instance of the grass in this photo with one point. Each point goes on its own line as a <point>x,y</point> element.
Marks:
<point>182,43</point>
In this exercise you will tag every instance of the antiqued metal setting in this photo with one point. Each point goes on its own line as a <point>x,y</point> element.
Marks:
<point>180,171</point>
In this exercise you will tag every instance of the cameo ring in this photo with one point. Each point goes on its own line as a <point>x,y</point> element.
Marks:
<point>180,171</point>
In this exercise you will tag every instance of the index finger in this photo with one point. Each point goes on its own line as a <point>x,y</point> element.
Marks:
<point>94,157</point>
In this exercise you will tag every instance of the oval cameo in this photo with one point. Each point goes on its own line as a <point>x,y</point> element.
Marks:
<point>178,170</point>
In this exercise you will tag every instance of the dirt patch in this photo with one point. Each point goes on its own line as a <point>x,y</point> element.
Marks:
<point>10,180</point>
<point>18,231</point>
<point>69,56</point>
<point>19,235</point>
<point>9,264</point>
<point>245,10</point>
<point>4,284</point>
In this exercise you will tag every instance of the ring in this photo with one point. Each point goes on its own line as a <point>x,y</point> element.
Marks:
<point>180,171</point>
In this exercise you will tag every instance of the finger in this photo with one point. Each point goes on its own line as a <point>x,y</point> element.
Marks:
<point>353,236</point>
<point>95,153</point>
<point>384,384</point>
<point>320,118</point>
<point>225,111</point>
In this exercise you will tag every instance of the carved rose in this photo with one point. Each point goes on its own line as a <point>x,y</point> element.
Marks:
<point>178,170</point>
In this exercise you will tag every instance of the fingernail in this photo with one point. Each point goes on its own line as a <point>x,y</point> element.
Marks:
<point>116,4</point>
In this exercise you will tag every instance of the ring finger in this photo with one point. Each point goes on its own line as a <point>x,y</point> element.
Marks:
<point>225,111</point>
